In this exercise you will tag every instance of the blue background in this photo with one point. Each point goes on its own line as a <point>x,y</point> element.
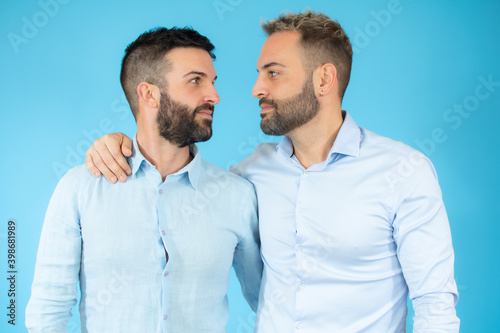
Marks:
<point>414,60</point>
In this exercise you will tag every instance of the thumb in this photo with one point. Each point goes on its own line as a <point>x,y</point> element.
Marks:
<point>127,146</point>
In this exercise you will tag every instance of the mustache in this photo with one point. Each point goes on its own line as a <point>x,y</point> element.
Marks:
<point>265,100</point>
<point>206,106</point>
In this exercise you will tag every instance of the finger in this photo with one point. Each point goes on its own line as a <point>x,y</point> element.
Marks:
<point>127,146</point>
<point>126,149</point>
<point>115,161</point>
<point>90,164</point>
<point>100,164</point>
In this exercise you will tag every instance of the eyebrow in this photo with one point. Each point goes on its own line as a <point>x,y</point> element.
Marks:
<point>202,74</point>
<point>266,66</point>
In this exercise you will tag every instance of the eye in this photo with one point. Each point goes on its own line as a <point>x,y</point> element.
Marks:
<point>195,80</point>
<point>273,73</point>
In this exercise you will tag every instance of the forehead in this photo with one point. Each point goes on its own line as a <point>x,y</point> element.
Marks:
<point>184,60</point>
<point>281,47</point>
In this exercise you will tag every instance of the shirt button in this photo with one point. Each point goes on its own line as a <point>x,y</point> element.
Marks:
<point>160,191</point>
<point>306,173</point>
<point>163,232</point>
<point>299,326</point>
<point>301,287</point>
<point>165,274</point>
<point>165,317</point>
<point>299,211</point>
<point>299,248</point>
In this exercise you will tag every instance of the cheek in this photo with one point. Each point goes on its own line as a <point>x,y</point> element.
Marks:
<point>192,97</point>
<point>187,97</point>
<point>286,91</point>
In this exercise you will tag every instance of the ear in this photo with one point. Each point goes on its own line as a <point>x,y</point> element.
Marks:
<point>326,77</point>
<point>149,94</point>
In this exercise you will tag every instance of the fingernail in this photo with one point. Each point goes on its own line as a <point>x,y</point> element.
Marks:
<point>97,174</point>
<point>113,179</point>
<point>122,178</point>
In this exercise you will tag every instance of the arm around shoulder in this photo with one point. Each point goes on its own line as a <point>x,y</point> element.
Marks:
<point>247,260</point>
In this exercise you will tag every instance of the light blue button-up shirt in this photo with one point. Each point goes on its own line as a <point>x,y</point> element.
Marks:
<point>345,240</point>
<point>114,240</point>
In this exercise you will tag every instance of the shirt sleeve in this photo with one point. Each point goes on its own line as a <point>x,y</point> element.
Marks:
<point>425,251</point>
<point>54,293</point>
<point>247,262</point>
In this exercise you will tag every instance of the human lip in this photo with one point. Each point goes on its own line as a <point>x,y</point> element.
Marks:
<point>206,113</point>
<point>265,108</point>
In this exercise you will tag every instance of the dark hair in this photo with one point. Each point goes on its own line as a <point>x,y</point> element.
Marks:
<point>145,61</point>
<point>323,41</point>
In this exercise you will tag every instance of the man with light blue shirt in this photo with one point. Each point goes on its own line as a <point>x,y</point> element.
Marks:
<point>153,254</point>
<point>350,222</point>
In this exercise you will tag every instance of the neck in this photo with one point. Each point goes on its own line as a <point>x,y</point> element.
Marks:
<point>312,141</point>
<point>165,156</point>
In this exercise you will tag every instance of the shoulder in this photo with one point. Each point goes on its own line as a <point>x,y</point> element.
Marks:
<point>401,164</point>
<point>392,151</point>
<point>76,177</point>
<point>78,184</point>
<point>382,144</point>
<point>263,155</point>
<point>215,176</point>
<point>69,193</point>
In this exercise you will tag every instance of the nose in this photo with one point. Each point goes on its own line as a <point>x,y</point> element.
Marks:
<point>259,89</point>
<point>212,96</point>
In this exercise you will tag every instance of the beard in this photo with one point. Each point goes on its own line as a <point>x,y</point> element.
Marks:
<point>290,113</point>
<point>177,123</point>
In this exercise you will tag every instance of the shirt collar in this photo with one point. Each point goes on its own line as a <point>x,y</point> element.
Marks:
<point>349,138</point>
<point>347,141</point>
<point>193,168</point>
<point>136,160</point>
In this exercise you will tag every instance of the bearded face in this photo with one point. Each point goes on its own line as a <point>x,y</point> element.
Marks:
<point>180,124</point>
<point>291,113</point>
